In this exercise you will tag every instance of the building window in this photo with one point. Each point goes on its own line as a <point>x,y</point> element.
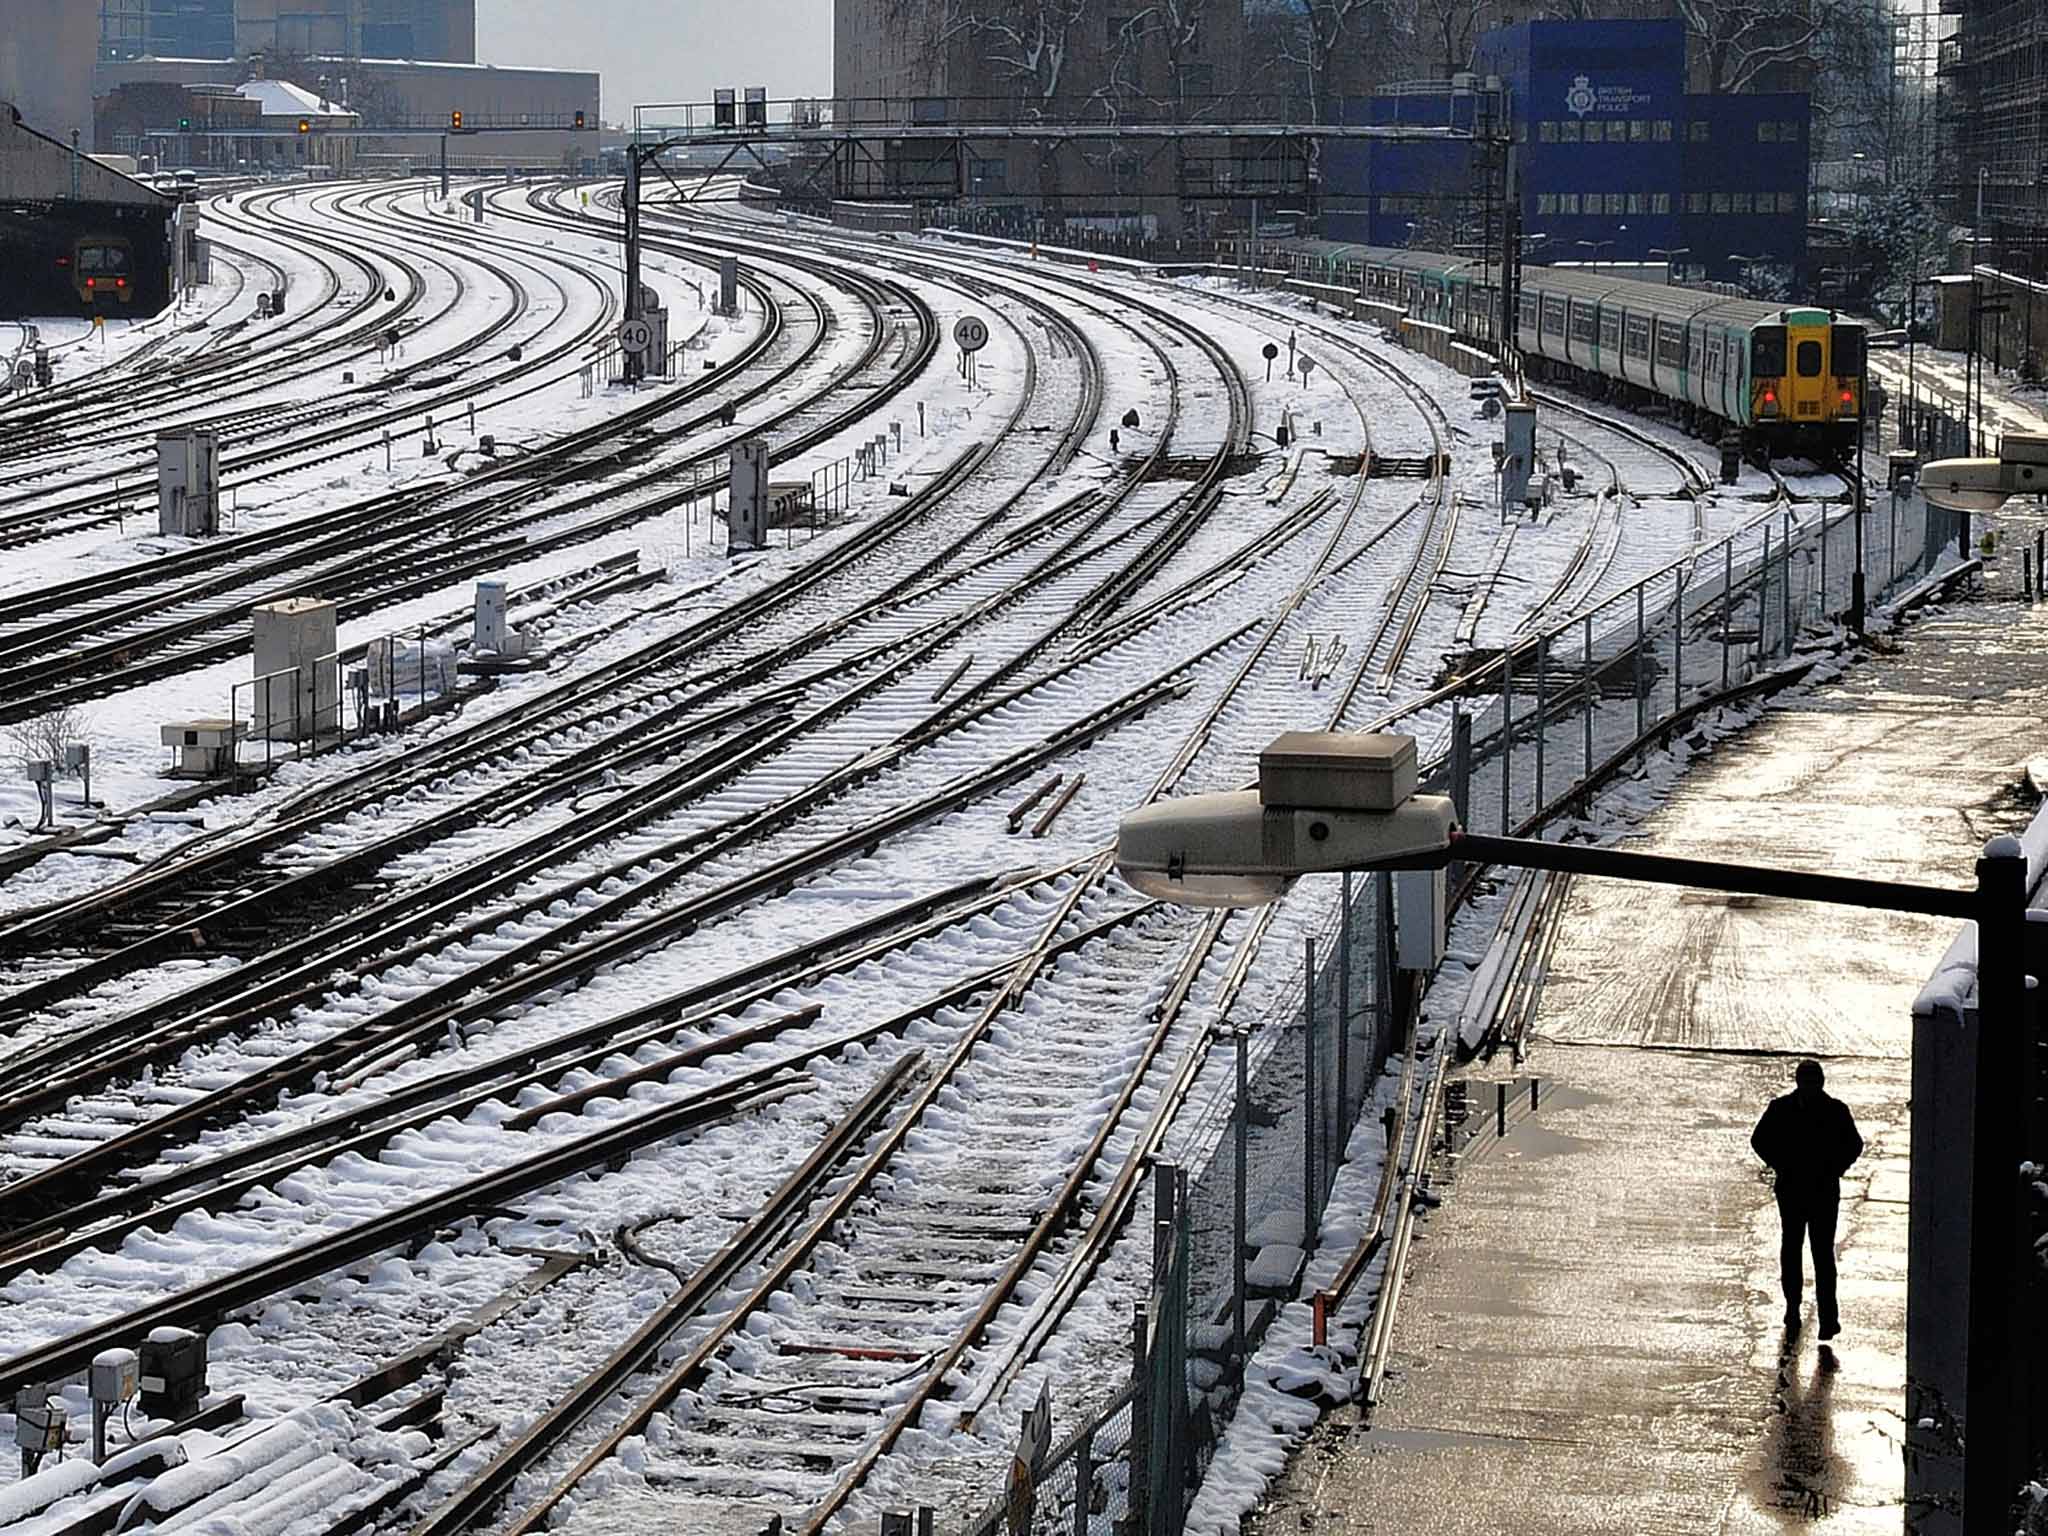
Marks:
<point>1546,132</point>
<point>1663,130</point>
<point>1596,132</point>
<point>1720,202</point>
<point>1695,202</point>
<point>1660,202</point>
<point>1615,203</point>
<point>1568,203</point>
<point>1767,133</point>
<point>1546,202</point>
<point>1741,203</point>
<point>1568,130</point>
<point>1635,202</point>
<point>1697,132</point>
<point>1788,133</point>
<point>1638,130</point>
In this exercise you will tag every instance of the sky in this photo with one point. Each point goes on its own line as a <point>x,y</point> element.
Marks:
<point>666,50</point>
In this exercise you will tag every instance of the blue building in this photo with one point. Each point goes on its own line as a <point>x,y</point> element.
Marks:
<point>1617,162</point>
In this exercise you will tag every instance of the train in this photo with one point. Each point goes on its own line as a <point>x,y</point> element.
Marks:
<point>102,272</point>
<point>1788,378</point>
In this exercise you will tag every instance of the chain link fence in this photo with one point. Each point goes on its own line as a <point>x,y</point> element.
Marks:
<point>1523,736</point>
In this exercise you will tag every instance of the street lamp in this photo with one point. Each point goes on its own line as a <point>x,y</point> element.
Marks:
<point>1597,246</point>
<point>1742,264</point>
<point>1676,250</point>
<point>1329,802</point>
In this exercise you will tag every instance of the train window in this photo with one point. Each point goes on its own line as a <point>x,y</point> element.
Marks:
<point>92,258</point>
<point>1610,328</point>
<point>1846,342</point>
<point>1553,315</point>
<point>1582,322</point>
<point>1636,338</point>
<point>1767,352</point>
<point>1670,345</point>
<point>1713,368</point>
<point>1528,309</point>
<point>1809,359</point>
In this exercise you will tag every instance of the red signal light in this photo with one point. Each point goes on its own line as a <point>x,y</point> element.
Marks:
<point>1770,397</point>
<point>91,282</point>
<point>120,282</point>
<point>1847,396</point>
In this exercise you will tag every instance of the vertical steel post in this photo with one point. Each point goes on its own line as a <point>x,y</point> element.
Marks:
<point>1640,721</point>
<point>1139,1495</point>
<point>1383,967</point>
<point>1785,582</point>
<point>633,363</point>
<point>1592,700</point>
<point>1542,700</point>
<point>1727,602</point>
<point>1995,1399</point>
<point>1241,1129</point>
<point>1763,595</point>
<point>1678,641</point>
<point>444,167</point>
<point>1345,1109</point>
<point>1084,1480</point>
<point>1507,734</point>
<point>1308,1097</point>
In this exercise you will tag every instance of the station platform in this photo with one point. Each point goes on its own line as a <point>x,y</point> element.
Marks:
<point>1590,1339</point>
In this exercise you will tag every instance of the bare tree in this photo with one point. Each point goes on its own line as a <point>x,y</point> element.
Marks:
<point>1742,40</point>
<point>43,739</point>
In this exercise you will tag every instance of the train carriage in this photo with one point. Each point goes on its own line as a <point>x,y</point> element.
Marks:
<point>1788,378</point>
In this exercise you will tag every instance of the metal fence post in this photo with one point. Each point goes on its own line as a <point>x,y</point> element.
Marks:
<point>1308,1098</point>
<point>1507,734</point>
<point>1823,565</point>
<point>1461,762</point>
<point>1241,1128</point>
<point>1383,968</point>
<point>1785,583</point>
<point>1677,641</point>
<point>1084,1480</point>
<point>1640,722</point>
<point>1345,1109</point>
<point>1592,699</point>
<point>1727,602</point>
<point>1763,596</point>
<point>1140,1493</point>
<point>1542,691</point>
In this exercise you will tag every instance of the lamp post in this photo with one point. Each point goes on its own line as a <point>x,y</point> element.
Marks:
<point>1597,246</point>
<point>1742,264</point>
<point>1676,250</point>
<point>1329,802</point>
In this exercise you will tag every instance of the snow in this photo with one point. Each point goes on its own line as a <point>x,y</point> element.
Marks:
<point>1952,990</point>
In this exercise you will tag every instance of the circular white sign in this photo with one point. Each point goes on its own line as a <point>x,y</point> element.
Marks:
<point>970,333</point>
<point>636,335</point>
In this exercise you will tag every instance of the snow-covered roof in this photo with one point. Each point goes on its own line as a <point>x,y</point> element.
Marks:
<point>280,98</point>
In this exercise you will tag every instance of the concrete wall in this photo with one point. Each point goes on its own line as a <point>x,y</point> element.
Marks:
<point>46,56</point>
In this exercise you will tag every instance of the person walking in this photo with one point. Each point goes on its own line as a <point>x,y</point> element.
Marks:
<point>1809,1140</point>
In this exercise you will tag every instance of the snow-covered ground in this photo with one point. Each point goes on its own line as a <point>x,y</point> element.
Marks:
<point>1294,549</point>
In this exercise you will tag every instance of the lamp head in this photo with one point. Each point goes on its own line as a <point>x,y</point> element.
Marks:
<point>1984,485</point>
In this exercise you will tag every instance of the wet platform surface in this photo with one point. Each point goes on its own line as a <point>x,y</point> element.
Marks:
<point>1591,1336</point>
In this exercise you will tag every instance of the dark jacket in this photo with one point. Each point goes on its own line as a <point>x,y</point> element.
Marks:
<point>1809,1141</point>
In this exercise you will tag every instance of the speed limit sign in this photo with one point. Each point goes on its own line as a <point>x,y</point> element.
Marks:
<point>970,333</point>
<point>636,335</point>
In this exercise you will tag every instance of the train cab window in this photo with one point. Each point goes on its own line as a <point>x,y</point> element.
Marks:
<point>1767,352</point>
<point>1809,355</point>
<point>102,258</point>
<point>1846,342</point>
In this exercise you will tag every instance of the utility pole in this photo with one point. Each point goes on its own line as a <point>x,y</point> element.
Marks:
<point>444,167</point>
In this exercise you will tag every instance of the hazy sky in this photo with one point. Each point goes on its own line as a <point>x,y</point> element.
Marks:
<point>666,50</point>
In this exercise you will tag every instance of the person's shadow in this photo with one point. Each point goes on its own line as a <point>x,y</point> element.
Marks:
<point>1804,1473</point>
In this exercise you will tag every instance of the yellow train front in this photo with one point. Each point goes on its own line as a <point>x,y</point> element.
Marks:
<point>103,273</point>
<point>1806,383</point>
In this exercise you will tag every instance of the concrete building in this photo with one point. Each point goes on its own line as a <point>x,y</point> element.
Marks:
<point>930,62</point>
<point>46,56</point>
<point>527,113</point>
<point>1619,162</point>
<point>442,30</point>
<point>1995,74</point>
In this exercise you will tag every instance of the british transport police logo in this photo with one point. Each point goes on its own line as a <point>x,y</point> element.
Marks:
<point>1580,98</point>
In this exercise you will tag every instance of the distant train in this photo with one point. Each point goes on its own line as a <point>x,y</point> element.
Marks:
<point>1789,379</point>
<point>103,272</point>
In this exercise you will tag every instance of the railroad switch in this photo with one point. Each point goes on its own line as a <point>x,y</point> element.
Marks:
<point>173,1372</point>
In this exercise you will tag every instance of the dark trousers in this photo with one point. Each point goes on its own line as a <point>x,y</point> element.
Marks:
<point>1809,1218</point>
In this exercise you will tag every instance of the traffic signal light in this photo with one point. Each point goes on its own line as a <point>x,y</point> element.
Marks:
<point>455,120</point>
<point>305,125</point>
<point>184,125</point>
<point>579,120</point>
